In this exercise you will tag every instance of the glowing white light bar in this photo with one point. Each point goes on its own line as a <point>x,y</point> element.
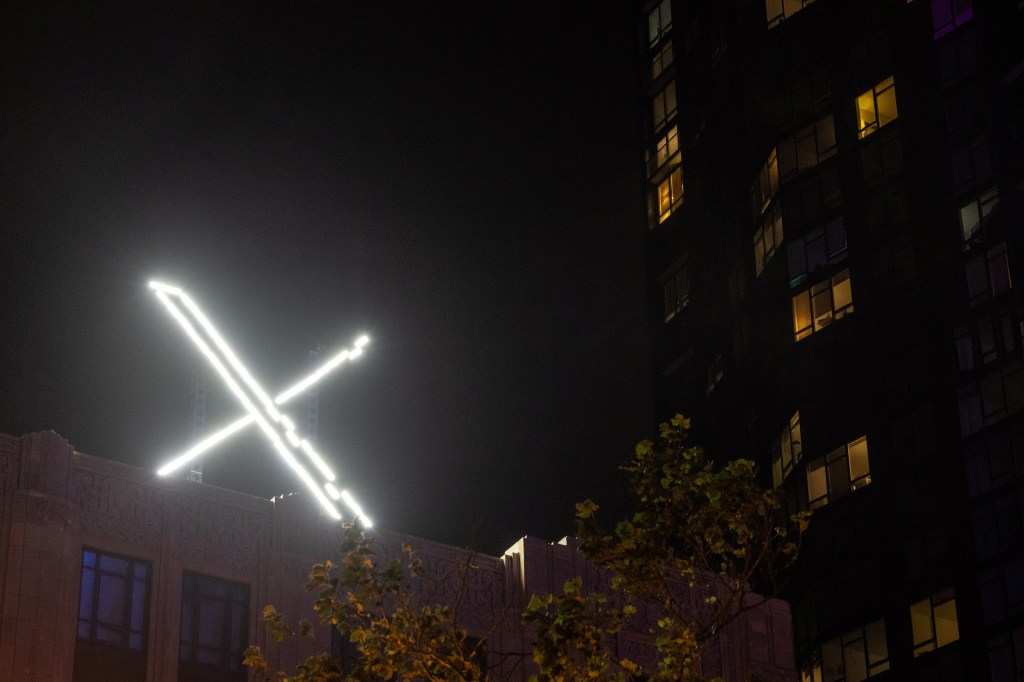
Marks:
<point>273,423</point>
<point>204,445</point>
<point>356,509</point>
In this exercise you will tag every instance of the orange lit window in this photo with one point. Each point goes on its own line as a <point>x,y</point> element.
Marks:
<point>666,147</point>
<point>778,11</point>
<point>838,473</point>
<point>765,185</point>
<point>670,194</point>
<point>663,106</point>
<point>768,238</point>
<point>876,108</point>
<point>816,308</point>
<point>934,622</point>
<point>662,59</point>
<point>786,451</point>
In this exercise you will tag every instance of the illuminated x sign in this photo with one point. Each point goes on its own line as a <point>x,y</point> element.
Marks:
<point>276,426</point>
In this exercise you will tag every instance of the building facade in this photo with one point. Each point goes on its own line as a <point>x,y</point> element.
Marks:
<point>835,210</point>
<point>109,572</point>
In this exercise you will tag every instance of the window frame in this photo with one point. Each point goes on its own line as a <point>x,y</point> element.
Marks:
<point>876,93</point>
<point>675,297</point>
<point>923,616</point>
<point>834,487</point>
<point>125,627</point>
<point>659,22</point>
<point>196,591</point>
<point>821,296</point>
<point>669,193</point>
<point>787,450</point>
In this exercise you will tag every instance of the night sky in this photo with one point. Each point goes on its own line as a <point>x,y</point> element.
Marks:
<point>459,180</point>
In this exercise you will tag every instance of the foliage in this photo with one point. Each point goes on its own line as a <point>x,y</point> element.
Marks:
<point>700,536</point>
<point>379,611</point>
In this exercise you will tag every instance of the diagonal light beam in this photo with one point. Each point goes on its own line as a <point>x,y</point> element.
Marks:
<point>276,426</point>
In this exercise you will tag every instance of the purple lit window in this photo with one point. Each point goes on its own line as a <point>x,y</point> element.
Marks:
<point>948,14</point>
<point>112,603</point>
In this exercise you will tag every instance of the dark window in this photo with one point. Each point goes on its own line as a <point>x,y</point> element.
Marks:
<point>214,629</point>
<point>817,249</point>
<point>111,618</point>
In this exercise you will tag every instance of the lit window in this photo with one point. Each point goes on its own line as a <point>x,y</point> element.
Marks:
<point>676,288</point>
<point>662,59</point>
<point>765,185</point>
<point>112,615</point>
<point>659,22</point>
<point>934,622</point>
<point>974,214</point>
<point>988,275</point>
<point>787,450</point>
<point>778,11</point>
<point>816,308</point>
<point>112,604</point>
<point>807,148</point>
<point>876,108</point>
<point>664,105</point>
<point>817,249</point>
<point>948,14</point>
<point>666,148</point>
<point>857,655</point>
<point>214,628</point>
<point>670,193</point>
<point>838,473</point>
<point>768,238</point>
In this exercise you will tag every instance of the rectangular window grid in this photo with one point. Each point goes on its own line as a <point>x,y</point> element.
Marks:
<point>838,473</point>
<point>787,450</point>
<point>670,193</point>
<point>214,628</point>
<point>676,288</point>
<point>777,11</point>
<point>817,249</point>
<point>949,14</point>
<point>662,59</point>
<point>663,106</point>
<point>816,308</point>
<point>766,185</point>
<point>659,22</point>
<point>934,623</point>
<point>768,238</point>
<point>876,108</point>
<point>113,600</point>
<point>857,655</point>
<point>807,148</point>
<point>975,213</point>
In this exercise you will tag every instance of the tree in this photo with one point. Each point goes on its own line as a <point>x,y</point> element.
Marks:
<point>701,535</point>
<point>382,612</point>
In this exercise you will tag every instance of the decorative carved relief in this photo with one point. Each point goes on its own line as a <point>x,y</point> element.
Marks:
<point>216,534</point>
<point>115,508</point>
<point>43,509</point>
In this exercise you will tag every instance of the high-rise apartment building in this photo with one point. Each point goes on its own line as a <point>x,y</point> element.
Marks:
<point>835,210</point>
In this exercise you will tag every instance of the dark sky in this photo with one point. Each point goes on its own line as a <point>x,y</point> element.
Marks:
<point>459,180</point>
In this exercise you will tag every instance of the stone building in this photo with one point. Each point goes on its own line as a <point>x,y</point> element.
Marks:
<point>110,572</point>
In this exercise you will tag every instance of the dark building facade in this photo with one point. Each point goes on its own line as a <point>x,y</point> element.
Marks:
<point>835,209</point>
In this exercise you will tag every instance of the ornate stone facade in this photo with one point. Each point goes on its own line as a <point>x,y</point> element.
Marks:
<point>55,503</point>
